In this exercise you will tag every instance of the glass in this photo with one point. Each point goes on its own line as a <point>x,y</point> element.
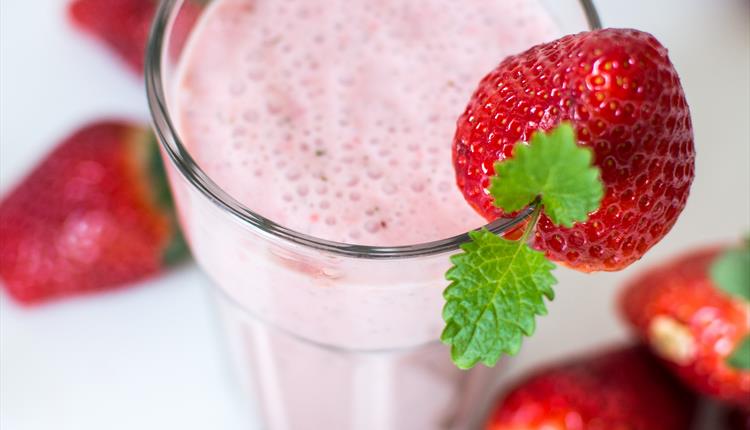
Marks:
<point>324,335</point>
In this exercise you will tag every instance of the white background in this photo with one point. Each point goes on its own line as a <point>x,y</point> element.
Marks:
<point>150,357</point>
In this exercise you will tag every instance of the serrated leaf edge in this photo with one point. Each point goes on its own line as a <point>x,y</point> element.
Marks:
<point>513,347</point>
<point>521,150</point>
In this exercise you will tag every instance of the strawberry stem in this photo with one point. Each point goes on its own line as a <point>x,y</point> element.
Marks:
<point>533,219</point>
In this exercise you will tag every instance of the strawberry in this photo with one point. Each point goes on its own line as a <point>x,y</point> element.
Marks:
<point>124,25</point>
<point>689,314</point>
<point>95,214</point>
<point>623,96</point>
<point>623,388</point>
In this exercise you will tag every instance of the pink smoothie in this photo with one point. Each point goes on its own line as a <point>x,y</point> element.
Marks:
<point>335,118</point>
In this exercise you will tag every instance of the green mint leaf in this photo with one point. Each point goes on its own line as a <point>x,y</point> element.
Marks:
<point>497,289</point>
<point>740,358</point>
<point>731,272</point>
<point>554,167</point>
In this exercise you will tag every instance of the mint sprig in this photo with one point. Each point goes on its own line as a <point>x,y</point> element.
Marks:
<point>498,286</point>
<point>554,168</point>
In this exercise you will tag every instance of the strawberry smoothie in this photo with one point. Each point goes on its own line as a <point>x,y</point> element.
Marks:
<point>334,118</point>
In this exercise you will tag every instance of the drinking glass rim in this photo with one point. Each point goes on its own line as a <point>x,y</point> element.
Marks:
<point>196,177</point>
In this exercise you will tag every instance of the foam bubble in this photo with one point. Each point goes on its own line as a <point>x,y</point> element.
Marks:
<point>236,88</point>
<point>389,188</point>
<point>293,174</point>
<point>321,189</point>
<point>374,173</point>
<point>372,226</point>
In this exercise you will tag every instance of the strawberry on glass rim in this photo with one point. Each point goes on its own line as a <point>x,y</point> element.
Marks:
<point>623,97</point>
<point>593,132</point>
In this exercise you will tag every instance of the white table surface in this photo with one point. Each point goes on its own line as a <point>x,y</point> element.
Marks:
<point>149,357</point>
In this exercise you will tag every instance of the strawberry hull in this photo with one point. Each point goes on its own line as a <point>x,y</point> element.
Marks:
<point>89,217</point>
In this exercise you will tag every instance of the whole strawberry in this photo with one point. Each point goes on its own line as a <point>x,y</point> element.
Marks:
<point>623,388</point>
<point>124,25</point>
<point>694,312</point>
<point>95,214</point>
<point>624,99</point>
